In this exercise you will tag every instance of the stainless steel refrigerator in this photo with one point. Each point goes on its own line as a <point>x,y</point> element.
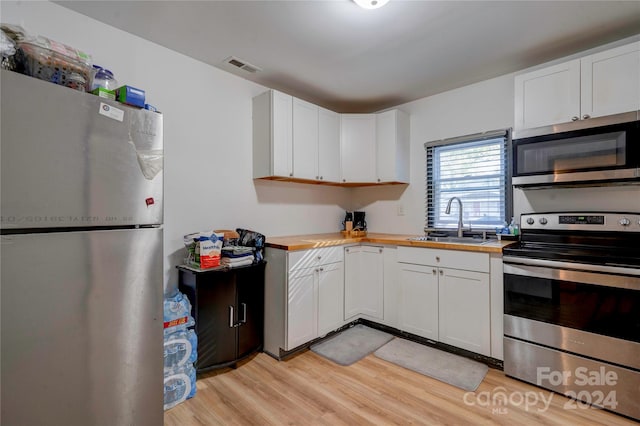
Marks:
<point>81,258</point>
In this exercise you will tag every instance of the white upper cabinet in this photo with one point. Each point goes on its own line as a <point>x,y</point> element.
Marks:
<point>296,140</point>
<point>328,145</point>
<point>305,140</point>
<point>375,147</point>
<point>601,84</point>
<point>610,81</point>
<point>272,135</point>
<point>392,146</point>
<point>358,148</point>
<point>547,96</point>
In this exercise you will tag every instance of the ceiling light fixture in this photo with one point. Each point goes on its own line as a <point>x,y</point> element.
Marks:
<point>371,4</point>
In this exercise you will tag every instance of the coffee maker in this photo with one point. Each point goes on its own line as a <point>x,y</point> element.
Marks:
<point>359,224</point>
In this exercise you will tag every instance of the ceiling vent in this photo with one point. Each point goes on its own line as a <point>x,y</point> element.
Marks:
<point>243,65</point>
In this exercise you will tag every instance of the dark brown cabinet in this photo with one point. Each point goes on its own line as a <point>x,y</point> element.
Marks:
<point>228,307</point>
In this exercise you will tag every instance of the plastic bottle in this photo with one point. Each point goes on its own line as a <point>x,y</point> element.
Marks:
<point>104,78</point>
<point>180,348</point>
<point>512,226</point>
<point>177,313</point>
<point>179,385</point>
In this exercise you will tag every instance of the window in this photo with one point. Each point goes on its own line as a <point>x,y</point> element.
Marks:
<point>474,169</point>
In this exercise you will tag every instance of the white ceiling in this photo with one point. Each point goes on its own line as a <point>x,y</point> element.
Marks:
<point>334,54</point>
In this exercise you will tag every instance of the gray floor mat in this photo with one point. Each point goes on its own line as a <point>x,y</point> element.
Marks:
<point>444,366</point>
<point>352,344</point>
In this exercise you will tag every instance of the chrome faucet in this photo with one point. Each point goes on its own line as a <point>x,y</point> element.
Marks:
<point>448,211</point>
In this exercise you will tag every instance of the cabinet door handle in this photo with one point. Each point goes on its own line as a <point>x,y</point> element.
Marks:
<point>437,258</point>
<point>321,178</point>
<point>380,249</point>
<point>290,174</point>
<point>231,324</point>
<point>317,177</point>
<point>244,313</point>
<point>434,271</point>
<point>575,118</point>
<point>321,269</point>
<point>441,272</point>
<point>586,116</point>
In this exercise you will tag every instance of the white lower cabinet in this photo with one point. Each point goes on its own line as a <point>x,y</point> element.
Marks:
<point>304,292</point>
<point>315,301</point>
<point>449,296</point>
<point>302,323</point>
<point>443,303</point>
<point>364,282</point>
<point>330,297</point>
<point>418,310</point>
<point>463,314</point>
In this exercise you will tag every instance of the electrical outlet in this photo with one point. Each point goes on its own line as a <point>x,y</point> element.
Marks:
<point>400,209</point>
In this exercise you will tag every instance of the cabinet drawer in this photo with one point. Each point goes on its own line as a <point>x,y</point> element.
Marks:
<point>455,259</point>
<point>315,257</point>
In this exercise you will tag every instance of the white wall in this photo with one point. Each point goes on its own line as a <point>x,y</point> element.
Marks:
<point>207,127</point>
<point>480,107</point>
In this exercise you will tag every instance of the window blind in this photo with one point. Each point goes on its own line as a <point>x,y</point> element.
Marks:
<point>474,169</point>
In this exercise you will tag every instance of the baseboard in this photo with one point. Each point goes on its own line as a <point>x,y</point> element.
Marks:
<point>490,362</point>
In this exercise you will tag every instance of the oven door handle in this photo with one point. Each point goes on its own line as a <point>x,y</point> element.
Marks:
<point>551,273</point>
<point>607,269</point>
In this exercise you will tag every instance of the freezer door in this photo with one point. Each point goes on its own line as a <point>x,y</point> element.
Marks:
<point>72,159</point>
<point>82,328</point>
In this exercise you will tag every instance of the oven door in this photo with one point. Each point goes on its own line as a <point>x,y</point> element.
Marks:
<point>606,153</point>
<point>565,322</point>
<point>589,312</point>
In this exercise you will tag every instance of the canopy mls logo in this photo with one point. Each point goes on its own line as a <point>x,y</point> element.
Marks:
<point>589,389</point>
<point>499,399</point>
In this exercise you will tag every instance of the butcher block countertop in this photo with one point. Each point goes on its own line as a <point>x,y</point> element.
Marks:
<point>305,242</point>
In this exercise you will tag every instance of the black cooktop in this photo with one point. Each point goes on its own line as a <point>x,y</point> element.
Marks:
<point>599,248</point>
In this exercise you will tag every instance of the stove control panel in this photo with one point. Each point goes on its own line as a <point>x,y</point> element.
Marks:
<point>592,221</point>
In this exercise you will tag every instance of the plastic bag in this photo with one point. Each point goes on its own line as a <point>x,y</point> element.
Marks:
<point>203,249</point>
<point>180,348</point>
<point>177,313</point>
<point>179,385</point>
<point>250,238</point>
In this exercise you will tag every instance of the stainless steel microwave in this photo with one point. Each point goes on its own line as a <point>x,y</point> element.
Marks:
<point>602,151</point>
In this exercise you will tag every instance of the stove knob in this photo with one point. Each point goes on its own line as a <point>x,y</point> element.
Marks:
<point>530,221</point>
<point>543,221</point>
<point>624,222</point>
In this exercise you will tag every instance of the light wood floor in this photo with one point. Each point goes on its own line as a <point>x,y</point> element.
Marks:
<point>308,389</point>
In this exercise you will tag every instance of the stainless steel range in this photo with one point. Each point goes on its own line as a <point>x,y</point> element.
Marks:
<point>572,307</point>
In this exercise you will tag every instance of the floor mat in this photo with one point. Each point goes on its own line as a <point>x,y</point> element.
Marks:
<point>444,366</point>
<point>352,344</point>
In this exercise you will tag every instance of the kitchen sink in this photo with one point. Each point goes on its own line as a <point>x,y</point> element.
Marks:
<point>457,240</point>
